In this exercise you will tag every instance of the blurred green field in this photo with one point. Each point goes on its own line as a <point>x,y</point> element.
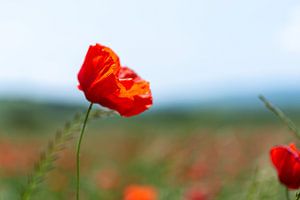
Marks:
<point>186,153</point>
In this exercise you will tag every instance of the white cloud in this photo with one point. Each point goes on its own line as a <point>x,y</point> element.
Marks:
<point>290,36</point>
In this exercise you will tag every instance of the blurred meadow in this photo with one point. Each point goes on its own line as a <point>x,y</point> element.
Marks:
<point>196,154</point>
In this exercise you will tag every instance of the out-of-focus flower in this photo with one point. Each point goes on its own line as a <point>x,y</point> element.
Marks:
<point>286,160</point>
<point>16,158</point>
<point>107,179</point>
<point>138,192</point>
<point>195,194</point>
<point>104,81</point>
<point>197,170</point>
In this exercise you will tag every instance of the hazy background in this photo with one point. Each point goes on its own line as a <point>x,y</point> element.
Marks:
<point>190,51</point>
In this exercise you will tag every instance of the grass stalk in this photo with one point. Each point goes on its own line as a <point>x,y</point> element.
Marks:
<point>281,116</point>
<point>51,153</point>
<point>78,151</point>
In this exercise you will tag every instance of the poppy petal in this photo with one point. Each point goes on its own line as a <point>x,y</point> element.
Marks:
<point>287,163</point>
<point>105,82</point>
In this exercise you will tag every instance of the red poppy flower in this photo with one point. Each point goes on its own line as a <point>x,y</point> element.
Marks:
<point>104,81</point>
<point>286,160</point>
<point>137,192</point>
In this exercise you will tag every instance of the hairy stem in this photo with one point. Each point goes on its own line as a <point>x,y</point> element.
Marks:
<point>78,150</point>
<point>281,116</point>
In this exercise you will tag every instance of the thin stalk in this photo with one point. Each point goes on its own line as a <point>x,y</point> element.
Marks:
<point>78,150</point>
<point>287,195</point>
<point>281,116</point>
<point>298,196</point>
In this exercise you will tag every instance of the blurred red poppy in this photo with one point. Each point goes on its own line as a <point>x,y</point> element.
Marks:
<point>195,194</point>
<point>107,179</point>
<point>286,160</point>
<point>104,81</point>
<point>137,192</point>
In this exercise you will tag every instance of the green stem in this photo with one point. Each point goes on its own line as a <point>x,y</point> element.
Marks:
<point>297,195</point>
<point>281,116</point>
<point>78,150</point>
<point>287,195</point>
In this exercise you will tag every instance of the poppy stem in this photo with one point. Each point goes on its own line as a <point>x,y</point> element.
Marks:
<point>287,195</point>
<point>297,195</point>
<point>281,116</point>
<point>78,149</point>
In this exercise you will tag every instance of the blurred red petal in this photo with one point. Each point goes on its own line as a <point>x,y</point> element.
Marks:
<point>287,163</point>
<point>137,192</point>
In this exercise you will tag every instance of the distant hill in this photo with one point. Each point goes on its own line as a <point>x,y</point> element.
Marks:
<point>43,117</point>
<point>286,99</point>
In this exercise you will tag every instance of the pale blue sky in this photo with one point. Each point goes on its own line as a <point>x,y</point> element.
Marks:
<point>188,49</point>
